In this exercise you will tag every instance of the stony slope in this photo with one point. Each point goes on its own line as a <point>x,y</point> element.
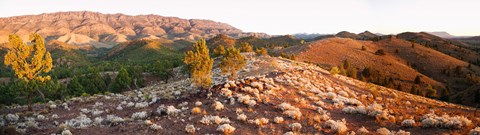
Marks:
<point>403,65</point>
<point>270,96</point>
<point>80,28</point>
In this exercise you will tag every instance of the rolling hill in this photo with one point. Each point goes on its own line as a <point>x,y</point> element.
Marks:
<point>401,62</point>
<point>453,48</point>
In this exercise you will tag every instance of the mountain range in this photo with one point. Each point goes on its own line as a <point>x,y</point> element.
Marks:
<point>95,29</point>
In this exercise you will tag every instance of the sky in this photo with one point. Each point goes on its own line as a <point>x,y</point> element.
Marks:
<point>279,17</point>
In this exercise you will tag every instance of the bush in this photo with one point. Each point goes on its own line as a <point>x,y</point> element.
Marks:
<point>262,52</point>
<point>380,52</point>
<point>334,71</point>
<point>246,47</point>
<point>219,51</point>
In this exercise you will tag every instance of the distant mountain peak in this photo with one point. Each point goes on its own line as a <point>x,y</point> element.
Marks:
<point>441,34</point>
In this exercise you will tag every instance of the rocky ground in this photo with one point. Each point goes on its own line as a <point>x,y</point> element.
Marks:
<point>270,96</point>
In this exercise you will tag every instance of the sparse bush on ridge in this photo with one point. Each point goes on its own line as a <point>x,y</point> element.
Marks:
<point>380,52</point>
<point>338,126</point>
<point>226,129</point>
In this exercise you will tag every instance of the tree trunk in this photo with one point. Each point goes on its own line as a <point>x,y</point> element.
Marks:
<point>29,102</point>
<point>41,94</point>
<point>135,83</point>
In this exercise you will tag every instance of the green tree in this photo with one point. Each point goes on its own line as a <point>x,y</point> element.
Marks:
<point>136,75</point>
<point>418,79</point>
<point>122,81</point>
<point>219,51</point>
<point>29,62</point>
<point>164,69</point>
<point>430,91</point>
<point>93,82</point>
<point>346,64</point>
<point>74,87</point>
<point>414,90</point>
<point>232,61</point>
<point>200,64</point>
<point>364,48</point>
<point>444,95</point>
<point>352,73</point>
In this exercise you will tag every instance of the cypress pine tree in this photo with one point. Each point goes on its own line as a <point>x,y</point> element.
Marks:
<point>414,90</point>
<point>200,64</point>
<point>346,64</point>
<point>418,80</point>
<point>122,81</point>
<point>232,61</point>
<point>219,51</point>
<point>74,87</point>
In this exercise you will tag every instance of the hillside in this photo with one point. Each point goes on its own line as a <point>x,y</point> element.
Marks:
<point>256,42</point>
<point>453,48</point>
<point>270,96</point>
<point>105,30</point>
<point>401,62</point>
<point>147,51</point>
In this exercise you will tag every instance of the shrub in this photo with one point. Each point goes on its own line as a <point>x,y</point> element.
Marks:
<point>242,117</point>
<point>190,128</point>
<point>207,120</point>
<point>226,129</point>
<point>139,115</point>
<point>408,123</point>
<point>380,52</point>
<point>429,122</point>
<point>362,131</point>
<point>383,131</point>
<point>338,127</point>
<point>278,120</point>
<point>334,70</point>
<point>290,110</point>
<point>155,127</point>
<point>81,121</point>
<point>475,131</point>
<point>295,127</point>
<point>217,106</point>
<point>196,110</point>
<point>66,132</point>
<point>245,47</point>
<point>219,51</point>
<point>262,52</point>
<point>12,118</point>
<point>112,119</point>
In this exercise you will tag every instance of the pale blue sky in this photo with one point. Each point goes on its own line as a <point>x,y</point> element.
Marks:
<point>458,17</point>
